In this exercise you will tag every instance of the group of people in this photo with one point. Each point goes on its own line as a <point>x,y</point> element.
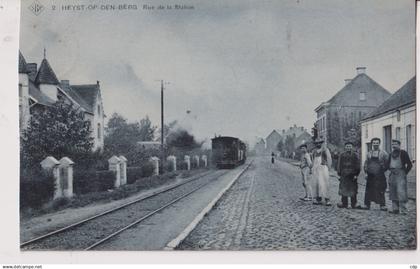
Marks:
<point>315,168</point>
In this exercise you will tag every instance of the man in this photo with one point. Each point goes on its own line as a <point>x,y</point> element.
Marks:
<point>320,171</point>
<point>305,164</point>
<point>375,167</point>
<point>348,169</point>
<point>272,157</point>
<point>399,164</point>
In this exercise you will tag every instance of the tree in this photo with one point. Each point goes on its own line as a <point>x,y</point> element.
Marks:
<point>60,130</point>
<point>121,136</point>
<point>182,139</point>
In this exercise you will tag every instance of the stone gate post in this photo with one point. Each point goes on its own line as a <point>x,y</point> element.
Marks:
<point>172,160</point>
<point>187,160</point>
<point>114,165</point>
<point>155,161</point>
<point>123,168</point>
<point>66,176</point>
<point>51,164</point>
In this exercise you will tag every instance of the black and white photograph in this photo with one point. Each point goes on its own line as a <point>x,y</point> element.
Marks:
<point>217,125</point>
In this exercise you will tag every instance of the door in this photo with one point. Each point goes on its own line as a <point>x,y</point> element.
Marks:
<point>387,138</point>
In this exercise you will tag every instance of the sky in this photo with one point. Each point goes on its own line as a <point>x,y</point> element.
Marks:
<point>241,67</point>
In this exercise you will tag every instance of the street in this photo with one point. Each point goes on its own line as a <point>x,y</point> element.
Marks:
<point>262,211</point>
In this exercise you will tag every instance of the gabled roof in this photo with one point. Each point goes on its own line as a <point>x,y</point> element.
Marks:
<point>76,97</point>
<point>89,93</point>
<point>39,97</point>
<point>22,64</point>
<point>46,75</point>
<point>406,95</point>
<point>274,132</point>
<point>360,83</point>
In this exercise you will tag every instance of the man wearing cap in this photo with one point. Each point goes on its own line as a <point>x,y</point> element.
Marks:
<point>348,169</point>
<point>375,166</point>
<point>399,164</point>
<point>305,167</point>
<point>320,171</point>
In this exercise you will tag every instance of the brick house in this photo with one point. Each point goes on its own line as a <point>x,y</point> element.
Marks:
<point>359,97</point>
<point>40,88</point>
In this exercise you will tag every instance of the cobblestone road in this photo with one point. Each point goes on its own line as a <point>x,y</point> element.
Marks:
<point>262,211</point>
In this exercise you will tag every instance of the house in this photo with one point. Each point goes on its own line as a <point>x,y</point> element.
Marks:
<point>40,88</point>
<point>260,147</point>
<point>359,97</point>
<point>293,131</point>
<point>304,138</point>
<point>272,141</point>
<point>393,119</point>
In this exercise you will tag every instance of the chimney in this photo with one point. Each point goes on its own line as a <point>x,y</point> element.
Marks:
<point>283,131</point>
<point>65,82</point>
<point>361,70</point>
<point>32,68</point>
<point>97,82</point>
<point>347,81</point>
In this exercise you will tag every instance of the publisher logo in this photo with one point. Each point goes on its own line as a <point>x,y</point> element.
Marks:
<point>36,8</point>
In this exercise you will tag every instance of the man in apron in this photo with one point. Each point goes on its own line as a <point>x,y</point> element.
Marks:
<point>375,167</point>
<point>399,164</point>
<point>305,167</point>
<point>320,172</point>
<point>348,168</point>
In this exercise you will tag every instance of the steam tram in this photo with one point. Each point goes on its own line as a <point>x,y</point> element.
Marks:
<point>228,152</point>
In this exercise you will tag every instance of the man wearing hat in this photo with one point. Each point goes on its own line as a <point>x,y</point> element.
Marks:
<point>375,166</point>
<point>305,167</point>
<point>348,169</point>
<point>320,172</point>
<point>399,164</point>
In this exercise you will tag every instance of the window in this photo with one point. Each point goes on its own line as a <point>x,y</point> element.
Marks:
<point>362,96</point>
<point>366,132</point>
<point>409,140</point>
<point>398,115</point>
<point>99,110</point>
<point>20,90</point>
<point>99,131</point>
<point>387,130</point>
<point>398,133</point>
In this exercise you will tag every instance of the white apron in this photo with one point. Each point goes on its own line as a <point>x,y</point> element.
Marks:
<point>321,177</point>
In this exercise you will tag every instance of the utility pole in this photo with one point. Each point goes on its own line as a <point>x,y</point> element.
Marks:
<point>161,117</point>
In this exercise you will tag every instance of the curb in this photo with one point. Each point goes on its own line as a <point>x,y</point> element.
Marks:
<point>181,237</point>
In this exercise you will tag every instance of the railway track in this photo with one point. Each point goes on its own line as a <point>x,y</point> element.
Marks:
<point>93,231</point>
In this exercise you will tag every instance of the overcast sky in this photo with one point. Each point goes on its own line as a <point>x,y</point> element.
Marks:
<point>242,68</point>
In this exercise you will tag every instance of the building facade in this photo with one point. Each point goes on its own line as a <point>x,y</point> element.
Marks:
<point>272,141</point>
<point>344,111</point>
<point>40,88</point>
<point>394,119</point>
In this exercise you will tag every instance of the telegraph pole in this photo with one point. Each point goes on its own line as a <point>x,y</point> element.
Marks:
<point>161,118</point>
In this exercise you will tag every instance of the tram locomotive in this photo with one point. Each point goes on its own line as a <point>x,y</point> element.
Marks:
<point>228,152</point>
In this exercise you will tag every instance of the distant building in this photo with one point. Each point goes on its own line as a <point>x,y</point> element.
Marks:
<point>304,138</point>
<point>260,147</point>
<point>293,131</point>
<point>393,119</point>
<point>40,88</point>
<point>272,141</point>
<point>359,97</point>
<point>149,144</point>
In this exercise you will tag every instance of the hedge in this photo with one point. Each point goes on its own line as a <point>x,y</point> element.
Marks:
<point>93,181</point>
<point>36,188</point>
<point>137,172</point>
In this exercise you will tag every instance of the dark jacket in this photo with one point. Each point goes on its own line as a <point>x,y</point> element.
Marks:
<point>405,161</point>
